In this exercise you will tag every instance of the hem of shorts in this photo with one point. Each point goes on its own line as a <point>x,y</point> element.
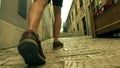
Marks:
<point>57,5</point>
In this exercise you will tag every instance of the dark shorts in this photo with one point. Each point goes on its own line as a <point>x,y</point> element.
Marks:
<point>56,2</point>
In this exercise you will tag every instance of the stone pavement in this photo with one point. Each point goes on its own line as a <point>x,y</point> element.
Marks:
<point>78,52</point>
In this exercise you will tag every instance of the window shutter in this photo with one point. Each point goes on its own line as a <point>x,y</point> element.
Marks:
<point>22,8</point>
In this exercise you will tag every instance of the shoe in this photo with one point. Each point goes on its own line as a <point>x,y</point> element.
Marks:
<point>57,45</point>
<point>30,49</point>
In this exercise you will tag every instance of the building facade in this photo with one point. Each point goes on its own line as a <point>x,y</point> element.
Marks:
<point>86,15</point>
<point>14,21</point>
<point>78,20</point>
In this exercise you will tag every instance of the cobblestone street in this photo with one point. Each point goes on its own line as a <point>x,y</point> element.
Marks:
<point>78,52</point>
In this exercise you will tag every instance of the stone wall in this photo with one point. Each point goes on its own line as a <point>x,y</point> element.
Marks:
<point>12,25</point>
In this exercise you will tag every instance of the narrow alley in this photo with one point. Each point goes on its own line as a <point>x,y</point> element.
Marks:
<point>78,52</point>
<point>86,21</point>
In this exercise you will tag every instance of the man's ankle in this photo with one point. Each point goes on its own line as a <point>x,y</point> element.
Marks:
<point>34,30</point>
<point>56,40</point>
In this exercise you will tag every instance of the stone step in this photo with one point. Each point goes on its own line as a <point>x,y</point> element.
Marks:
<point>69,34</point>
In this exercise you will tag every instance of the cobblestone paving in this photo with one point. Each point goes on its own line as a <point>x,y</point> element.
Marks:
<point>78,52</point>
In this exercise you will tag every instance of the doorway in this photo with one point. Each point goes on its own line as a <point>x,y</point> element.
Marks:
<point>84,26</point>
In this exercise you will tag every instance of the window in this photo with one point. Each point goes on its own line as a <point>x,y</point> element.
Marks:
<point>69,19</point>
<point>78,27</point>
<point>0,3</point>
<point>84,25</point>
<point>73,16</point>
<point>93,5</point>
<point>81,3</point>
<point>22,8</point>
<point>76,11</point>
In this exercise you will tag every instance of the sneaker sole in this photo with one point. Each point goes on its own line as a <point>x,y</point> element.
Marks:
<point>29,51</point>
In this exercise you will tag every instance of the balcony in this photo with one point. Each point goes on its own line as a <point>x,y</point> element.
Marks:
<point>108,22</point>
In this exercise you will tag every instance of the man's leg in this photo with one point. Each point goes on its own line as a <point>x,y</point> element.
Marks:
<point>30,45</point>
<point>35,13</point>
<point>57,24</point>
